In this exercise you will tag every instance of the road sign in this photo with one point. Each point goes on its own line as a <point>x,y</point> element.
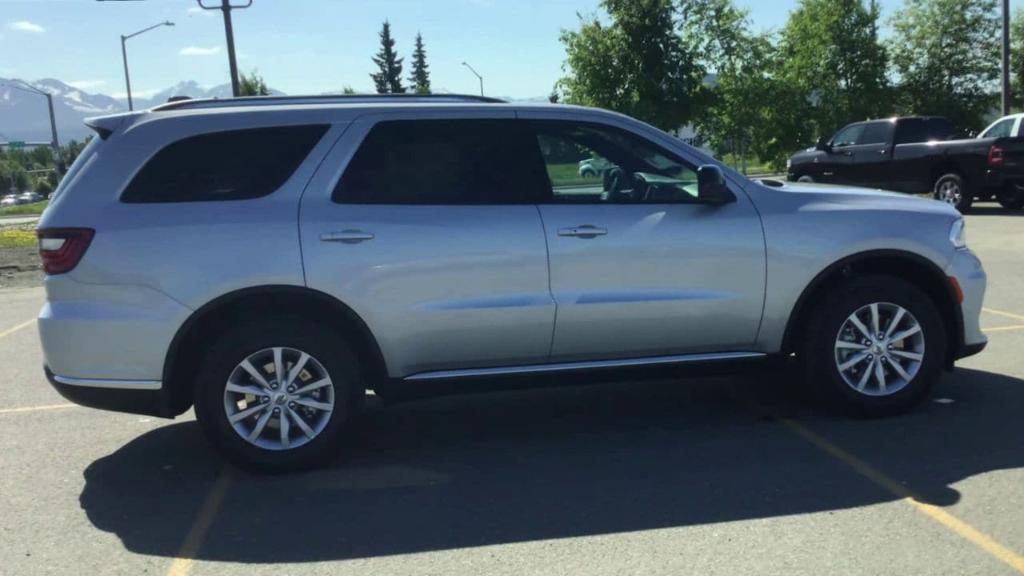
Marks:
<point>16,145</point>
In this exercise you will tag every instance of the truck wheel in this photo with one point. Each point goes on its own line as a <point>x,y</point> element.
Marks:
<point>1011,197</point>
<point>874,346</point>
<point>950,188</point>
<point>275,393</point>
<point>805,179</point>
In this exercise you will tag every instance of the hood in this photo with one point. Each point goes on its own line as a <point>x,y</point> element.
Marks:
<point>822,196</point>
<point>807,155</point>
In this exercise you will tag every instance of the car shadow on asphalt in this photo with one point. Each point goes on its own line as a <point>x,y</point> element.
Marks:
<point>992,210</point>
<point>478,470</point>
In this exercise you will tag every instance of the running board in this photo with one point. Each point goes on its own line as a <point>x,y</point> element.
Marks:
<point>589,365</point>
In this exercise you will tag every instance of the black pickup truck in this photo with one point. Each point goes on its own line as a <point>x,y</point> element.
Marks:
<point>916,155</point>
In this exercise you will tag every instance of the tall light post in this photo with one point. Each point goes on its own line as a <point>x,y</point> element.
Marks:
<point>229,32</point>
<point>124,56</point>
<point>481,78</point>
<point>24,87</point>
<point>1006,57</point>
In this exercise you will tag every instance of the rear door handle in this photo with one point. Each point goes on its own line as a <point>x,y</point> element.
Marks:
<point>582,231</point>
<point>346,236</point>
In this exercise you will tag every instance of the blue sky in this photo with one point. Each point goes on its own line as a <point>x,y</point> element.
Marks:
<point>304,46</point>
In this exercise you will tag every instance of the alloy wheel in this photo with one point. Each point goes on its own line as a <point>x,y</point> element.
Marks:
<point>279,398</point>
<point>879,349</point>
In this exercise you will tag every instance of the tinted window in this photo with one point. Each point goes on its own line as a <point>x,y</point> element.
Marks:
<point>232,165</point>
<point>591,163</point>
<point>875,133</point>
<point>848,136</point>
<point>938,129</point>
<point>442,162</point>
<point>911,130</point>
<point>1000,129</point>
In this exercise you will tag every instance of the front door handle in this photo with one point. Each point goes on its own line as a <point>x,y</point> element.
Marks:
<point>582,231</point>
<point>346,236</point>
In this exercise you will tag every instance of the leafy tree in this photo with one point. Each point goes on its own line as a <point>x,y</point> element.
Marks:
<point>420,79</point>
<point>388,80</point>
<point>1017,57</point>
<point>43,186</point>
<point>636,64</point>
<point>252,84</point>
<point>829,51</point>
<point>348,90</point>
<point>946,55</point>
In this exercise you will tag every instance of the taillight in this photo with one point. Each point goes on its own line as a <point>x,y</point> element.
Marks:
<point>995,156</point>
<point>62,248</point>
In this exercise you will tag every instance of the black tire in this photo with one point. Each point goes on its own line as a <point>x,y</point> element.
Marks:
<point>1011,197</point>
<point>961,200</point>
<point>235,345</point>
<point>805,178</point>
<point>826,319</point>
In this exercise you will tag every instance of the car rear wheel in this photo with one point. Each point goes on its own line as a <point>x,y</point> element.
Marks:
<point>276,393</point>
<point>1012,197</point>
<point>950,188</point>
<point>875,346</point>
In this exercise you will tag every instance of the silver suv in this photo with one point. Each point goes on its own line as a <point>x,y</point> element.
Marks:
<point>268,261</point>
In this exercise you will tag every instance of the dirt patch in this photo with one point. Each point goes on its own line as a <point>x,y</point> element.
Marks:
<point>20,267</point>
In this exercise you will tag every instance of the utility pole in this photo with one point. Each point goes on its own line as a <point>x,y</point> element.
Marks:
<point>1006,57</point>
<point>124,57</point>
<point>226,7</point>
<point>481,78</point>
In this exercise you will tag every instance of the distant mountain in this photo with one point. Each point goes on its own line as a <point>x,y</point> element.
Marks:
<point>23,115</point>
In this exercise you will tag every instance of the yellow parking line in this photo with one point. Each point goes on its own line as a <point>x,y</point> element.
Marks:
<point>185,557</point>
<point>1001,313</point>
<point>36,408</point>
<point>1004,328</point>
<point>10,331</point>
<point>954,524</point>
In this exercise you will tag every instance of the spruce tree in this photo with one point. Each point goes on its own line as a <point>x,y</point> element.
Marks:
<point>420,79</point>
<point>389,79</point>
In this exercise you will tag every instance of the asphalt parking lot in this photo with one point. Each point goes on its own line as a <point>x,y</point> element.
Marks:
<point>717,476</point>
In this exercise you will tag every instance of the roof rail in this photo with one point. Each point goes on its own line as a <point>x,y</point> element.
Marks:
<point>247,101</point>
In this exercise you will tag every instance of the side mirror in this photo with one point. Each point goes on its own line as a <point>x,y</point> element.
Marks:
<point>711,188</point>
<point>823,145</point>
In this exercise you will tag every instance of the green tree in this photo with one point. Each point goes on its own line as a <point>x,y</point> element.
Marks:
<point>1017,57</point>
<point>420,79</point>
<point>348,90</point>
<point>636,64</point>
<point>829,51</point>
<point>252,84</point>
<point>945,54</point>
<point>388,79</point>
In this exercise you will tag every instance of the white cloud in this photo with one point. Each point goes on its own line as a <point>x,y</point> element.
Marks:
<point>197,11</point>
<point>26,26</point>
<point>199,51</point>
<point>87,84</point>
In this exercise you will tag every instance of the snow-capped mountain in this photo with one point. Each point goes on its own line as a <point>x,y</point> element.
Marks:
<point>23,115</point>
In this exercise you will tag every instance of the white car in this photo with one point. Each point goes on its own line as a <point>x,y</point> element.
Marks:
<point>10,200</point>
<point>1007,126</point>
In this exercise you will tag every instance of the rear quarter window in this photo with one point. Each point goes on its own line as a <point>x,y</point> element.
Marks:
<point>229,165</point>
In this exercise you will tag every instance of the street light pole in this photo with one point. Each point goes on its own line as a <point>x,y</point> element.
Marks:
<point>481,78</point>
<point>54,143</point>
<point>124,56</point>
<point>226,7</point>
<point>1006,57</point>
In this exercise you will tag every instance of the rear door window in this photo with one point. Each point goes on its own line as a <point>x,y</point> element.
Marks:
<point>875,133</point>
<point>443,162</point>
<point>230,165</point>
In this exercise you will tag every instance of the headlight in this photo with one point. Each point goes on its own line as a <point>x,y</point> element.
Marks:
<point>957,235</point>
<point>789,163</point>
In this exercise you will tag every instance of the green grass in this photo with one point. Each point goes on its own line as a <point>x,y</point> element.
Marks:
<point>24,209</point>
<point>17,238</point>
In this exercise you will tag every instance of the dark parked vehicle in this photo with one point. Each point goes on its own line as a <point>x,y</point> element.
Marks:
<point>916,155</point>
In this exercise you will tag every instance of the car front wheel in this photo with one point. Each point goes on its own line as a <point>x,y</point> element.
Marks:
<point>874,346</point>
<point>275,394</point>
